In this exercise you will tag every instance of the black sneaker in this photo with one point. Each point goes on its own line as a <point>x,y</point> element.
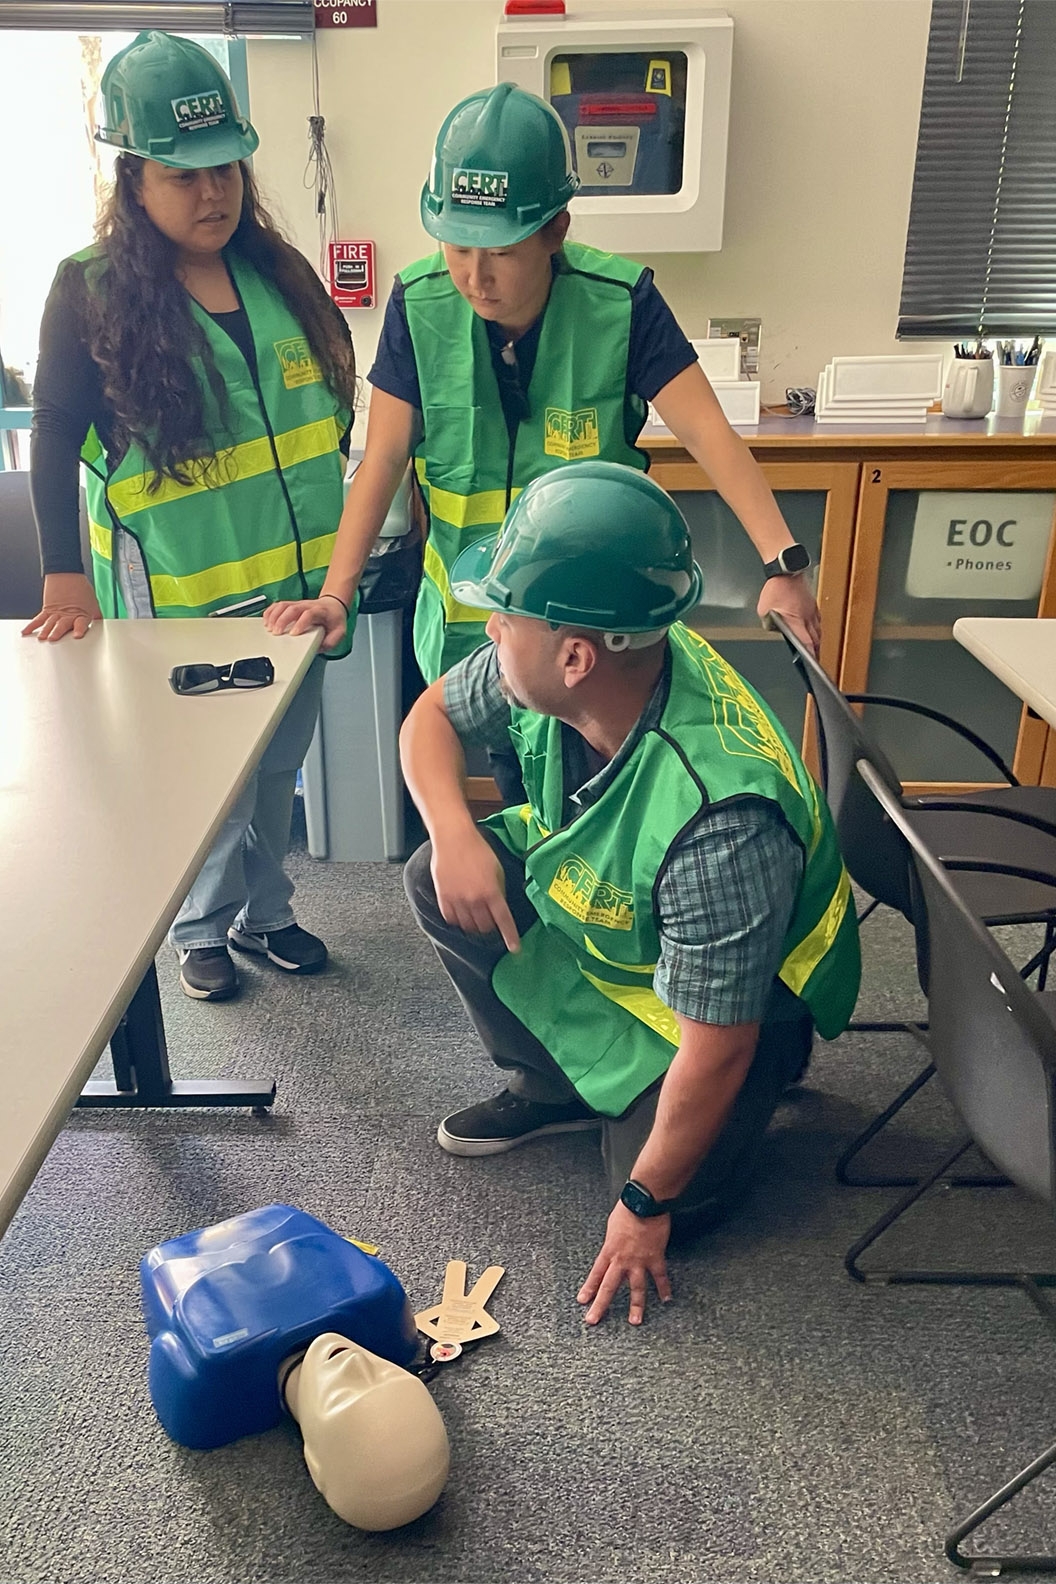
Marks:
<point>291,949</point>
<point>497,1125</point>
<point>207,973</point>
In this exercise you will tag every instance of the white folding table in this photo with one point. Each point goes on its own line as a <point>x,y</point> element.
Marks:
<point>1021,650</point>
<point>112,789</point>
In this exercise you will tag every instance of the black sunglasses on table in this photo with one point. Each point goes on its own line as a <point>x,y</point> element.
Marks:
<point>256,673</point>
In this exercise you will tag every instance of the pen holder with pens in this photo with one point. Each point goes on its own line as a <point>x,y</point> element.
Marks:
<point>1015,381</point>
<point>969,388</point>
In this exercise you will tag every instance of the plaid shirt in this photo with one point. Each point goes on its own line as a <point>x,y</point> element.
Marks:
<point>726,897</point>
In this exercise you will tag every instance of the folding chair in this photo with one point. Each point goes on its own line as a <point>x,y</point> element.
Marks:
<point>876,858</point>
<point>993,1041</point>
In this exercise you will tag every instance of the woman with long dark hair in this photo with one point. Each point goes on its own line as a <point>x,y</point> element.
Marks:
<point>192,361</point>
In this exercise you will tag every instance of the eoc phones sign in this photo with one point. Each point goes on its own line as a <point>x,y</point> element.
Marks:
<point>346,13</point>
<point>979,546</point>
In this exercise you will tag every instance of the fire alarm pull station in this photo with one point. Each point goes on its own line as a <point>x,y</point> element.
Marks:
<point>352,274</point>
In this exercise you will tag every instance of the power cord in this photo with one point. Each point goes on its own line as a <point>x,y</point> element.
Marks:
<point>319,174</point>
<point>800,399</point>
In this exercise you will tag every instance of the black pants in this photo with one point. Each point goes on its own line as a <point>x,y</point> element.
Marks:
<point>725,1174</point>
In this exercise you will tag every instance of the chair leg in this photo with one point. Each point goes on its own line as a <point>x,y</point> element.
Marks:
<point>876,1126</point>
<point>988,1565</point>
<point>843,1176</point>
<point>991,1566</point>
<point>1041,958</point>
<point>897,1210</point>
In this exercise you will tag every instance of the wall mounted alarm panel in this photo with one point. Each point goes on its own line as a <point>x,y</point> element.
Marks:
<point>646,105</point>
<point>352,274</point>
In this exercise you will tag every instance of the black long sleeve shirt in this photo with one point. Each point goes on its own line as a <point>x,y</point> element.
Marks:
<point>67,400</point>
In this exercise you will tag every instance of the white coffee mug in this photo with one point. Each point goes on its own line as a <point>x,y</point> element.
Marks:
<point>1014,384</point>
<point>969,388</point>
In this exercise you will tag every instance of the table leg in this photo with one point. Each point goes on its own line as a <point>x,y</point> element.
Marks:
<point>141,1066</point>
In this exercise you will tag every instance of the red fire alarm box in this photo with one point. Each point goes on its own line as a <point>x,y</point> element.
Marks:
<point>352,274</point>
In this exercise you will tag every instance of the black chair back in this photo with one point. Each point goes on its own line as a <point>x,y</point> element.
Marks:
<point>992,1043</point>
<point>20,584</point>
<point>875,858</point>
<point>20,580</point>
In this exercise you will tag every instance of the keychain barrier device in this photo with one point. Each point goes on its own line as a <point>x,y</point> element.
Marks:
<point>352,274</point>
<point>204,678</point>
<point>227,1306</point>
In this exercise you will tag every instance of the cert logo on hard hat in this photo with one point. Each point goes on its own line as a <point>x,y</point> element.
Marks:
<point>196,111</point>
<point>480,189</point>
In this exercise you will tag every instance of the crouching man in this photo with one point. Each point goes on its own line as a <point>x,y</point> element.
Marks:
<point>648,943</point>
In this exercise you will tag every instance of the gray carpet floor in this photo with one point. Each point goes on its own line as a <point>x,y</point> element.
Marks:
<point>776,1422</point>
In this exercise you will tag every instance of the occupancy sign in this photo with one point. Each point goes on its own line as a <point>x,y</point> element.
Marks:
<point>346,13</point>
<point>979,546</point>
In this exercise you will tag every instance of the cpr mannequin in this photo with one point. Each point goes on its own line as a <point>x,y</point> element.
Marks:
<point>374,1441</point>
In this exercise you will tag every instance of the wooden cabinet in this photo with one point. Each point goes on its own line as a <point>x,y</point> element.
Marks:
<point>853,497</point>
<point>899,638</point>
<point>817,499</point>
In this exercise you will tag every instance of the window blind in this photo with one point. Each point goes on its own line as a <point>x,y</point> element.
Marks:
<point>981,245</point>
<point>290,17</point>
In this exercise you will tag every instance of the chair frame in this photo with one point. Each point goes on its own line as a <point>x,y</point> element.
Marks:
<point>1032,1283</point>
<point>1039,962</point>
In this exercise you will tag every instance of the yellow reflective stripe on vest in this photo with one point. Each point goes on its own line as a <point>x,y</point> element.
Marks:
<point>526,816</point>
<point>464,511</point>
<point>436,572</point>
<point>244,461</point>
<point>802,961</point>
<point>239,577</point>
<point>642,1003</point>
<point>642,968</point>
<point>100,538</point>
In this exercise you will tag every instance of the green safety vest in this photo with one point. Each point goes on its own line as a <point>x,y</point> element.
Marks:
<point>263,517</point>
<point>582,981</point>
<point>468,467</point>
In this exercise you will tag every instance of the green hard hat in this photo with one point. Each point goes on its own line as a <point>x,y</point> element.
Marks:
<point>167,99</point>
<point>592,544</point>
<point>501,169</point>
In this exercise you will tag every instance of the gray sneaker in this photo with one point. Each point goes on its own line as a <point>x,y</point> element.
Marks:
<point>501,1124</point>
<point>207,973</point>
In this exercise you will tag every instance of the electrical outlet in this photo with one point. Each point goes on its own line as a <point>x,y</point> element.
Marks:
<point>748,332</point>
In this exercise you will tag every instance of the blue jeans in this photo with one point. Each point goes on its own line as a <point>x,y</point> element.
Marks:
<point>242,881</point>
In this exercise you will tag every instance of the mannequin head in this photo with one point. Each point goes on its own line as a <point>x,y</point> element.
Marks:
<point>374,1441</point>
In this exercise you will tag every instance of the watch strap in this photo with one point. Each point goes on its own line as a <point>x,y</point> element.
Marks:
<point>640,1202</point>
<point>778,567</point>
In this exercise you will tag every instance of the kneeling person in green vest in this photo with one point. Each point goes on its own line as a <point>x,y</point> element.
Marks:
<point>647,944</point>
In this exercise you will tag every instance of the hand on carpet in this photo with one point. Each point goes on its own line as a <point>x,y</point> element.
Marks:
<point>634,1248</point>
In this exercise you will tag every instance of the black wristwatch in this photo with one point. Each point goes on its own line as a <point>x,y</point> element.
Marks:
<point>640,1201</point>
<point>792,559</point>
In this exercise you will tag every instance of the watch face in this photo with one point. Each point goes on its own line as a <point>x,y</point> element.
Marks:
<point>637,1200</point>
<point>795,558</point>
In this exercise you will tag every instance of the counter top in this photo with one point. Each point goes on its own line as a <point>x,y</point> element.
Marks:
<point>1035,431</point>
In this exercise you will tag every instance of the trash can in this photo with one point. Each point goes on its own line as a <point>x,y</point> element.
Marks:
<point>353,788</point>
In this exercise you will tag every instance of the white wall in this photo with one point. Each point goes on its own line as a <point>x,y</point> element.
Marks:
<point>826,97</point>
